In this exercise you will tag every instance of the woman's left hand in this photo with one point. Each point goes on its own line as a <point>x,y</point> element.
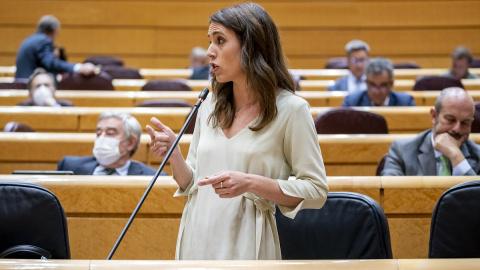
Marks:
<point>227,184</point>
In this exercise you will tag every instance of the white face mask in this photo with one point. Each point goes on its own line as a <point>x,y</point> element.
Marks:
<point>40,94</point>
<point>106,150</point>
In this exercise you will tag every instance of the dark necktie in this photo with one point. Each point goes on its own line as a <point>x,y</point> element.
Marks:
<point>109,171</point>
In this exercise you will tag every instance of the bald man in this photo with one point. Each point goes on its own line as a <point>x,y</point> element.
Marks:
<point>443,150</point>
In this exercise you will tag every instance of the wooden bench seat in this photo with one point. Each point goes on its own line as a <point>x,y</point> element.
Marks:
<point>98,208</point>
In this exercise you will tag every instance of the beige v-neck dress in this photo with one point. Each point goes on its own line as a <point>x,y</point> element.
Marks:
<point>214,228</point>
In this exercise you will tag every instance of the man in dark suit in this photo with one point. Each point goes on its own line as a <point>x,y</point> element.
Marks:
<point>357,58</point>
<point>443,150</point>
<point>38,51</point>
<point>118,137</point>
<point>41,91</point>
<point>201,73</point>
<point>199,64</point>
<point>379,88</point>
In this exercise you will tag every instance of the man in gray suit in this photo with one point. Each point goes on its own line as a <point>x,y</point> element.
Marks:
<point>443,150</point>
<point>357,57</point>
<point>118,137</point>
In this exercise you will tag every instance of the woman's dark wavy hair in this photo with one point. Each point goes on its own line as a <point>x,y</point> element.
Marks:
<point>262,58</point>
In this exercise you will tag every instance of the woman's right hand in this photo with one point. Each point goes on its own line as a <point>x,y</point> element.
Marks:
<point>160,141</point>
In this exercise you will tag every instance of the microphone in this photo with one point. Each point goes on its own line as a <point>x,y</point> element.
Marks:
<point>203,95</point>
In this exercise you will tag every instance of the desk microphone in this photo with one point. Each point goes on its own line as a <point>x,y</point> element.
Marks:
<point>203,95</point>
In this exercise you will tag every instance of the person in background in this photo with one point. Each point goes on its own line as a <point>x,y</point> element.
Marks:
<point>198,57</point>
<point>461,60</point>
<point>38,51</point>
<point>443,150</point>
<point>245,147</point>
<point>118,138</point>
<point>379,88</point>
<point>41,90</point>
<point>199,64</point>
<point>357,57</point>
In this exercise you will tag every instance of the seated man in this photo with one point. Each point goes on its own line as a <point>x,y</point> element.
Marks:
<point>443,150</point>
<point>379,88</point>
<point>357,57</point>
<point>199,64</point>
<point>461,60</point>
<point>118,137</point>
<point>41,90</point>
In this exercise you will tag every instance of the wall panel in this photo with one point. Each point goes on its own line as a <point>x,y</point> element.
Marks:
<point>160,34</point>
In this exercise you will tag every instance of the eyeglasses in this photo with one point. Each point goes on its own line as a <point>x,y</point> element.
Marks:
<point>358,60</point>
<point>382,87</point>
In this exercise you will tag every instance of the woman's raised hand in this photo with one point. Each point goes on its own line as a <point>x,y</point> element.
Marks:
<point>162,140</point>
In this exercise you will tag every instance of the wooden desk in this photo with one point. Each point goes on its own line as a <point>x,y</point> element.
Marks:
<point>7,71</point>
<point>84,119</point>
<point>305,85</point>
<point>309,74</point>
<point>42,151</point>
<point>98,207</point>
<point>91,98</point>
<point>136,84</point>
<point>161,73</point>
<point>399,84</point>
<point>343,155</point>
<point>403,74</point>
<point>399,119</point>
<point>392,264</point>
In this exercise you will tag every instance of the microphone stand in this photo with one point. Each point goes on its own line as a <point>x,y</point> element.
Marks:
<point>203,95</point>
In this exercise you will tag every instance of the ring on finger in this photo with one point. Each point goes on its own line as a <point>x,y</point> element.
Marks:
<point>221,184</point>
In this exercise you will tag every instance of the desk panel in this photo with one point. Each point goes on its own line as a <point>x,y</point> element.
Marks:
<point>343,155</point>
<point>98,207</point>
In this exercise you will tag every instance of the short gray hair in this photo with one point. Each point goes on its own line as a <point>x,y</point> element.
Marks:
<point>462,52</point>
<point>377,65</point>
<point>198,51</point>
<point>356,45</point>
<point>36,72</point>
<point>48,24</point>
<point>130,125</point>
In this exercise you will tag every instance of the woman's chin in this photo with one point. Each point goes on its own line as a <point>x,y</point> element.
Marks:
<point>220,79</point>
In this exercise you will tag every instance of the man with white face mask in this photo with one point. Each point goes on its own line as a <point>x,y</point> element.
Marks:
<point>118,137</point>
<point>41,90</point>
